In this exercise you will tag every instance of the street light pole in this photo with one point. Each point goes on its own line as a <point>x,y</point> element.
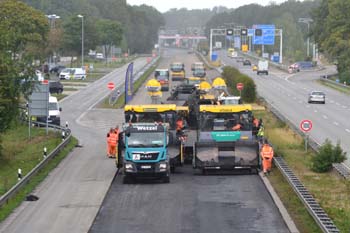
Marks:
<point>307,21</point>
<point>82,39</point>
<point>52,24</point>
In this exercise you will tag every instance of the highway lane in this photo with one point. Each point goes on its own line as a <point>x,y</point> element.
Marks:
<point>289,93</point>
<point>190,203</point>
<point>72,194</point>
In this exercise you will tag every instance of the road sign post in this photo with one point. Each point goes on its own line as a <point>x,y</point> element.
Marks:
<point>240,87</point>
<point>306,126</point>
<point>110,85</point>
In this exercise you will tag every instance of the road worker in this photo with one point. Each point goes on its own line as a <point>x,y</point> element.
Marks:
<point>108,142</point>
<point>116,131</point>
<point>260,133</point>
<point>179,124</point>
<point>266,154</point>
<point>112,141</point>
<point>237,127</point>
<point>255,125</point>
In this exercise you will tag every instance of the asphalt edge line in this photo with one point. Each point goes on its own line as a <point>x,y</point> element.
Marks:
<point>283,211</point>
<point>117,172</point>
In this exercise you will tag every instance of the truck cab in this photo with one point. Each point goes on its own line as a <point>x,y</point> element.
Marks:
<point>177,71</point>
<point>145,152</point>
<point>263,67</point>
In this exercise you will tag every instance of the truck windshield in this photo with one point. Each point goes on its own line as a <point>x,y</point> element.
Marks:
<point>199,72</point>
<point>177,67</point>
<point>53,106</point>
<point>146,139</point>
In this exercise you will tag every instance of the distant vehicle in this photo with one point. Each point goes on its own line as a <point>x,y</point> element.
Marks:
<point>57,69</point>
<point>230,51</point>
<point>294,67</point>
<point>317,96</point>
<point>233,54</point>
<point>54,112</point>
<point>99,56</point>
<point>39,75</point>
<point>55,87</point>
<point>254,67</point>
<point>162,76</point>
<point>305,64</point>
<point>230,100</point>
<point>263,67</point>
<point>199,72</point>
<point>197,65</point>
<point>73,73</point>
<point>247,63</point>
<point>177,71</point>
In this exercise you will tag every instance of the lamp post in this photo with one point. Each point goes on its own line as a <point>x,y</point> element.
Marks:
<point>52,24</point>
<point>307,21</point>
<point>82,39</point>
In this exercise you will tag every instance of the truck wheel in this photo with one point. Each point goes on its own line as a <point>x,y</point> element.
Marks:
<point>166,179</point>
<point>172,169</point>
<point>267,73</point>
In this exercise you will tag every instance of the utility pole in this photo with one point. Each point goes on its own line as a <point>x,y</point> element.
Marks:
<point>307,21</point>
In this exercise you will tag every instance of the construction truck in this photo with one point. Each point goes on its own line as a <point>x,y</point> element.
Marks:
<point>162,76</point>
<point>145,152</point>
<point>165,114</point>
<point>263,67</point>
<point>218,146</point>
<point>177,71</point>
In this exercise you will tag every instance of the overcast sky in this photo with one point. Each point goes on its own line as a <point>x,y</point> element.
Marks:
<point>165,5</point>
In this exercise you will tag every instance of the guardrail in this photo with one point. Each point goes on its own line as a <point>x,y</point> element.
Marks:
<point>325,78</point>
<point>316,211</point>
<point>67,137</point>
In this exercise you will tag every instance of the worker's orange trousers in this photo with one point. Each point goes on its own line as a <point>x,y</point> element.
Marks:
<point>112,150</point>
<point>266,165</point>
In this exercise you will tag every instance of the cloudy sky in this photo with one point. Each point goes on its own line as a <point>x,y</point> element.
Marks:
<point>164,5</point>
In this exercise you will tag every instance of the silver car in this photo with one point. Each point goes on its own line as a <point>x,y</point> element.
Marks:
<point>317,96</point>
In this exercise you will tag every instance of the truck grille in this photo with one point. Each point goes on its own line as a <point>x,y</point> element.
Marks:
<point>148,156</point>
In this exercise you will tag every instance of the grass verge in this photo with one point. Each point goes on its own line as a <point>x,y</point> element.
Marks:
<point>120,102</point>
<point>331,191</point>
<point>345,90</point>
<point>26,157</point>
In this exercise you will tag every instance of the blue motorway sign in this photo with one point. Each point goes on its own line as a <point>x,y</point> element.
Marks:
<point>268,34</point>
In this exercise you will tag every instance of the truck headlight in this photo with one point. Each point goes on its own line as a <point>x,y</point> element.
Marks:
<point>128,166</point>
<point>162,166</point>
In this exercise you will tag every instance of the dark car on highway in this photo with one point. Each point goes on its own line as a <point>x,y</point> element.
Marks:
<point>55,87</point>
<point>247,63</point>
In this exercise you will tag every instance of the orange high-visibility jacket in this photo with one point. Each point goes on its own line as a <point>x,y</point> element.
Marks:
<point>266,152</point>
<point>112,139</point>
<point>237,127</point>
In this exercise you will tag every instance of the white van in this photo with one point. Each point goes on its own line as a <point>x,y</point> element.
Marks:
<point>54,112</point>
<point>73,73</point>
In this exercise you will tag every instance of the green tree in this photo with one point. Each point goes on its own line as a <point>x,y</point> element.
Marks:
<point>110,34</point>
<point>327,154</point>
<point>73,32</point>
<point>23,33</point>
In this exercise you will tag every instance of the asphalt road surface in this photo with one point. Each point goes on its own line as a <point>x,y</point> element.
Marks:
<point>289,94</point>
<point>190,203</point>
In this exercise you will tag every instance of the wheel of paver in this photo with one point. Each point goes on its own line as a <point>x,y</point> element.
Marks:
<point>166,179</point>
<point>204,172</point>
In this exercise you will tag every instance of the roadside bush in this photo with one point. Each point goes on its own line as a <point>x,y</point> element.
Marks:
<point>232,76</point>
<point>327,154</point>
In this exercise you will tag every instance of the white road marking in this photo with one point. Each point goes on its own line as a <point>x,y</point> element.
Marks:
<point>300,101</point>
<point>331,101</point>
<point>315,110</point>
<point>347,130</point>
<point>336,123</point>
<point>308,106</point>
<point>337,103</point>
<point>344,106</point>
<point>325,117</point>
<point>294,97</point>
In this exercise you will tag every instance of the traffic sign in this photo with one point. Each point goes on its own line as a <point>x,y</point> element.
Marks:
<point>110,85</point>
<point>240,86</point>
<point>306,125</point>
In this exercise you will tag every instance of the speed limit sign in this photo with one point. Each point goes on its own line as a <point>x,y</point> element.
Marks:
<point>306,125</point>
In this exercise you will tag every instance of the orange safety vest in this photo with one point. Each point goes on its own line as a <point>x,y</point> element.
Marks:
<point>266,152</point>
<point>112,139</point>
<point>116,131</point>
<point>237,127</point>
